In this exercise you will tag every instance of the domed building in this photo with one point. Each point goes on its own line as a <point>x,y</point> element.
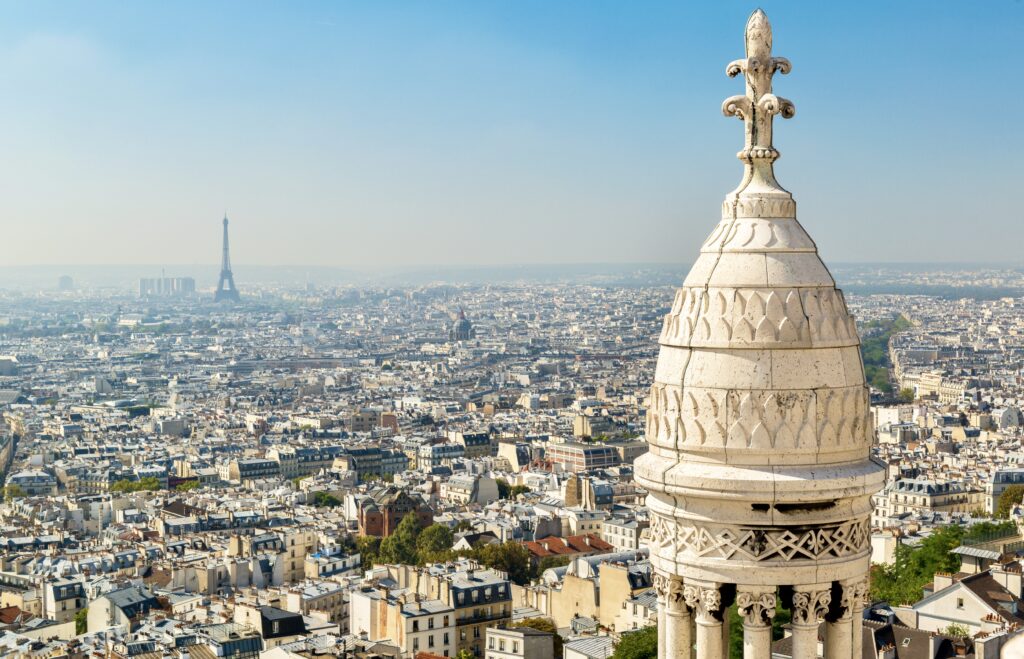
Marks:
<point>462,329</point>
<point>759,471</point>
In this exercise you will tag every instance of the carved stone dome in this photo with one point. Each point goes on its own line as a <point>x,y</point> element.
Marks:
<point>758,420</point>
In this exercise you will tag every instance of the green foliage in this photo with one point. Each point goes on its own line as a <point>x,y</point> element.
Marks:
<point>779,621</point>
<point>549,562</point>
<point>545,625</point>
<point>506,491</point>
<point>125,486</point>
<point>986,530</point>
<point>510,557</point>
<point>463,525</point>
<point>400,546</point>
<point>82,621</point>
<point>434,544</point>
<point>518,489</point>
<point>297,481</point>
<point>465,653</point>
<point>913,567</point>
<point>874,349</point>
<point>368,547</point>
<point>956,631</point>
<point>641,644</point>
<point>1010,497</point>
<point>187,486</point>
<point>12,492</point>
<point>325,500</point>
<point>906,395</point>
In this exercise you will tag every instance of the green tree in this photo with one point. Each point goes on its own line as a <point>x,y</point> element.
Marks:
<point>325,500</point>
<point>187,486</point>
<point>641,644</point>
<point>549,562</point>
<point>368,548</point>
<point>82,621</point>
<point>12,492</point>
<point>983,530</point>
<point>125,486</point>
<point>906,395</point>
<point>517,490</point>
<point>1010,497</point>
<point>465,653</point>
<point>434,543</point>
<point>503,488</point>
<point>913,567</point>
<point>543,625</point>
<point>400,546</point>
<point>510,557</point>
<point>956,631</point>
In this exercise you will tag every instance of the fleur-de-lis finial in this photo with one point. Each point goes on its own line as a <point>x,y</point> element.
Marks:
<point>758,107</point>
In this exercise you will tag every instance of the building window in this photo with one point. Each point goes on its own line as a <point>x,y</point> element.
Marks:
<point>959,602</point>
<point>515,646</point>
<point>415,625</point>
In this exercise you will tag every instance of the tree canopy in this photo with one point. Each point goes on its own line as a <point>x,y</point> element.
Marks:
<point>400,546</point>
<point>434,544</point>
<point>913,567</point>
<point>544,625</point>
<point>125,486</point>
<point>641,644</point>
<point>1011,496</point>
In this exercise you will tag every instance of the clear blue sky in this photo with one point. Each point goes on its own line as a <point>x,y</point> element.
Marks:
<point>480,132</point>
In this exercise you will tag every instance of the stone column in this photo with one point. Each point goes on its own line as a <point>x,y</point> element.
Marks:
<point>706,600</point>
<point>674,625</point>
<point>757,608</point>
<point>810,603</point>
<point>860,593</point>
<point>660,583</point>
<point>839,623</point>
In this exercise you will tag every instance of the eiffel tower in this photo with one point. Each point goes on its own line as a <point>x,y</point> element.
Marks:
<point>226,290</point>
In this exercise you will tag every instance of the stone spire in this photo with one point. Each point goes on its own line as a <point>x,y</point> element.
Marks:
<point>758,471</point>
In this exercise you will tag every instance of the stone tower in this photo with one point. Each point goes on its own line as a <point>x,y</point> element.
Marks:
<point>759,468</point>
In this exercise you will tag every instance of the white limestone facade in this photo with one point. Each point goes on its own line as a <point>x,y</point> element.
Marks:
<point>759,468</point>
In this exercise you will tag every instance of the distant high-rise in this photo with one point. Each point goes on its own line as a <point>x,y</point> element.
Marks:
<point>226,286</point>
<point>65,283</point>
<point>167,287</point>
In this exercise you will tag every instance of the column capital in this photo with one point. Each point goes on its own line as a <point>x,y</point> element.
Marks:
<point>705,598</point>
<point>859,594</point>
<point>810,603</point>
<point>756,605</point>
<point>669,589</point>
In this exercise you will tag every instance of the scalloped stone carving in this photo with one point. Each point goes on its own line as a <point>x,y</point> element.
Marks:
<point>758,318</point>
<point>796,420</point>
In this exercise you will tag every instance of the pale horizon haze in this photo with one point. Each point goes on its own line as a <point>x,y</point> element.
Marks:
<point>352,134</point>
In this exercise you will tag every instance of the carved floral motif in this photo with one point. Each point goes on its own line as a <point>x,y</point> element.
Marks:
<point>757,608</point>
<point>810,605</point>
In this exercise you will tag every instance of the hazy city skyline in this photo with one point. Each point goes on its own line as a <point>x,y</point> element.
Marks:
<point>354,135</point>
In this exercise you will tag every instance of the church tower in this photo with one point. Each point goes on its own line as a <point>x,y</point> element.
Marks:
<point>759,469</point>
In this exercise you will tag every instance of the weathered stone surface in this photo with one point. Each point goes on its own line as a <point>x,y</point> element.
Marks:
<point>759,472</point>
